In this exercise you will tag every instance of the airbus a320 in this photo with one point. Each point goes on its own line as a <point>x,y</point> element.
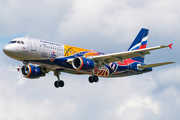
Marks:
<point>40,57</point>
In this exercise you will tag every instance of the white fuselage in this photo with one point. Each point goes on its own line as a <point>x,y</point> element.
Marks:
<point>25,48</point>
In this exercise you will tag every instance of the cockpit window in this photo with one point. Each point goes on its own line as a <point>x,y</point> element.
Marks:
<point>19,42</point>
<point>22,42</point>
<point>13,41</point>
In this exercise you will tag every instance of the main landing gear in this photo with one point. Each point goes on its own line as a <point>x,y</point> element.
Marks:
<point>58,83</point>
<point>93,78</point>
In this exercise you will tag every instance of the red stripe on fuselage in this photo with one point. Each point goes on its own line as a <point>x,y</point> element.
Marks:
<point>126,62</point>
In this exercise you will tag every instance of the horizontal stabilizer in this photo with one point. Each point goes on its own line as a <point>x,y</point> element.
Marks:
<point>154,65</point>
<point>18,68</point>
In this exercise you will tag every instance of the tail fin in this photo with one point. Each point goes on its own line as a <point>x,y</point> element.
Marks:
<point>140,42</point>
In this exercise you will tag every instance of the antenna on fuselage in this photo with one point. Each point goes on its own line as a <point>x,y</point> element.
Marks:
<point>27,36</point>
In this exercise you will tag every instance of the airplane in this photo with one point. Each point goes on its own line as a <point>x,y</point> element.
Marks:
<point>40,57</point>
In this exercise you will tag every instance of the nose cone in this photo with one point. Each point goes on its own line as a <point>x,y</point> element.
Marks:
<point>13,51</point>
<point>9,50</point>
<point>6,49</point>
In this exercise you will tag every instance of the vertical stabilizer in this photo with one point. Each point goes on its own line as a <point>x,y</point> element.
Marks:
<point>140,42</point>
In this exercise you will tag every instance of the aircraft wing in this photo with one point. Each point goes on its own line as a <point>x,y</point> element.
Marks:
<point>106,59</point>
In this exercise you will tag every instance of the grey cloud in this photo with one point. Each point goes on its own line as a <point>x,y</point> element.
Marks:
<point>33,17</point>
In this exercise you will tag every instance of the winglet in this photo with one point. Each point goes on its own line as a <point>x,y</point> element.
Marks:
<point>170,46</point>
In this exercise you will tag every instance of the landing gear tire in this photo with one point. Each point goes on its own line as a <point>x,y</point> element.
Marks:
<point>58,84</point>
<point>91,79</point>
<point>61,83</point>
<point>95,78</point>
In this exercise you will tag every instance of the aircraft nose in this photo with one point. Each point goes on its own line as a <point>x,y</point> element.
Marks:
<point>7,49</point>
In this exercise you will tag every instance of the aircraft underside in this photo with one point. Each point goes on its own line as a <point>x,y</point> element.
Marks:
<point>112,70</point>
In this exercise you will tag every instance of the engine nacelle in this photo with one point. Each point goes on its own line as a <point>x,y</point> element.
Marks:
<point>81,63</point>
<point>30,71</point>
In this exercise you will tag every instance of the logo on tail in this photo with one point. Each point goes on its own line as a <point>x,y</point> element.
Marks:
<point>140,42</point>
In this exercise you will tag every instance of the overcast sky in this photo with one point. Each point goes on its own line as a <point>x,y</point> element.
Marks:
<point>106,26</point>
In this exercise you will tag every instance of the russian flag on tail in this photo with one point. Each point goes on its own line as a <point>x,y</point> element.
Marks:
<point>140,42</point>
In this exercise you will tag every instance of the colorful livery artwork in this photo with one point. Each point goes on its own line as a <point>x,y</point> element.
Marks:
<point>56,57</point>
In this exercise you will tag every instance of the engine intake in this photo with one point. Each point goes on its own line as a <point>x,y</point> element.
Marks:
<point>30,71</point>
<point>81,63</point>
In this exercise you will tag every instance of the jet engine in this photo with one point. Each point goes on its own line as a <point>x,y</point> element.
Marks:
<point>32,72</point>
<point>81,63</point>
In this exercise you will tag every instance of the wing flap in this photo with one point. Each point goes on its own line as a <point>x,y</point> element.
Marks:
<point>154,65</point>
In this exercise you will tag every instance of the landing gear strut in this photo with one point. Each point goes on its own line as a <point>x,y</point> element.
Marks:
<point>25,66</point>
<point>93,78</point>
<point>58,83</point>
<point>25,62</point>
